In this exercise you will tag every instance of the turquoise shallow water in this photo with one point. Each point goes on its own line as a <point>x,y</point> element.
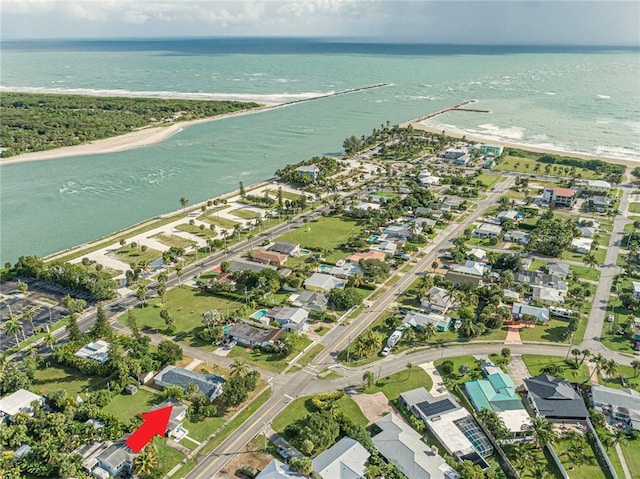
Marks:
<point>580,99</point>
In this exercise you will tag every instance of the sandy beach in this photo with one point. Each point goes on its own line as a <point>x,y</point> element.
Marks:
<point>620,161</point>
<point>135,139</point>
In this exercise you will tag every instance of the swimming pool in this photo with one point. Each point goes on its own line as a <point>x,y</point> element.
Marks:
<point>304,252</point>
<point>373,238</point>
<point>324,267</point>
<point>259,314</point>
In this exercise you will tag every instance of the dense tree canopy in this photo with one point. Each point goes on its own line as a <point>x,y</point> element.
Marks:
<point>36,122</point>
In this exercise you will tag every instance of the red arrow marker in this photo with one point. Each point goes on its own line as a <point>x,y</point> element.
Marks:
<point>155,422</point>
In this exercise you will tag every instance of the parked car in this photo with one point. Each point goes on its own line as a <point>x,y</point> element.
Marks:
<point>386,350</point>
<point>248,471</point>
<point>286,455</point>
<point>610,318</point>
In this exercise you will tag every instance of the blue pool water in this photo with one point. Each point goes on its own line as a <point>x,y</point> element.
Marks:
<point>259,314</point>
<point>324,267</point>
<point>373,238</point>
<point>305,252</point>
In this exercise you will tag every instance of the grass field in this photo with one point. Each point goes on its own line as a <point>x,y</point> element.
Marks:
<point>539,457</point>
<point>488,180</point>
<point>53,378</point>
<point>272,362</point>
<point>552,332</point>
<point>246,214</point>
<point>326,234</point>
<point>536,264</point>
<point>125,406</point>
<point>600,255</point>
<point>128,255</point>
<point>631,453</point>
<point>186,305</point>
<point>215,219</point>
<point>634,207</point>
<point>588,470</point>
<point>167,459</point>
<point>195,230</point>
<point>301,407</point>
<point>585,272</point>
<point>399,382</point>
<point>173,240</point>
<point>536,363</point>
<point>528,165</point>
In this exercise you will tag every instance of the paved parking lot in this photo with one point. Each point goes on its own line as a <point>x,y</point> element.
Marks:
<point>45,300</point>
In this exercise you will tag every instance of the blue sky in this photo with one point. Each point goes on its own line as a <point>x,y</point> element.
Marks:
<point>567,22</point>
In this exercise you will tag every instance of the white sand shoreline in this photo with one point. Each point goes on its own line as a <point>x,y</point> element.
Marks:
<point>523,146</point>
<point>136,139</point>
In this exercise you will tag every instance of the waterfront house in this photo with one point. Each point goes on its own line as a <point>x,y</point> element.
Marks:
<point>554,398</point>
<point>97,351</point>
<point>323,282</point>
<point>346,459</point>
<point>309,300</point>
<point>268,257</point>
<point>521,311</point>
<point>211,385</point>
<point>289,318</point>
<point>250,336</point>
<point>498,393</point>
<point>19,402</point>
<point>400,444</point>
<point>452,425</point>
<point>419,320</point>
<point>622,405</point>
<point>559,196</point>
<point>596,186</point>
<point>311,170</point>
<point>488,150</point>
<point>455,153</point>
<point>437,300</point>
<point>284,247</point>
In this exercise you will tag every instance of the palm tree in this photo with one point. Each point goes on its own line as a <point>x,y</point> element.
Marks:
<point>239,368</point>
<point>12,326</point>
<point>610,368</point>
<point>146,461</point>
<point>590,260</point>
<point>49,340</point>
<point>576,352</point>
<point>356,280</point>
<point>179,272</point>
<point>368,378</point>
<point>184,202</point>
<point>410,368</point>
<point>541,430</point>
<point>28,314</point>
<point>585,354</point>
<point>141,294</point>
<point>619,437</point>
<point>635,364</point>
<point>598,361</point>
<point>429,330</point>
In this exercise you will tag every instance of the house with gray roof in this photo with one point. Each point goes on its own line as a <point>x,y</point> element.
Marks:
<point>210,385</point>
<point>284,247</point>
<point>97,351</point>
<point>554,398</point>
<point>460,278</point>
<point>178,415</point>
<point>420,320</point>
<point>323,282</point>
<point>309,300</point>
<point>116,457</point>
<point>622,405</point>
<point>519,237</point>
<point>473,268</point>
<point>437,300</point>
<point>521,310</point>
<point>289,318</point>
<point>346,459</point>
<point>538,278</point>
<point>246,265</point>
<point>560,270</point>
<point>18,402</point>
<point>547,296</point>
<point>402,445</point>
<point>311,170</point>
<point>250,336</point>
<point>278,470</point>
<point>487,230</point>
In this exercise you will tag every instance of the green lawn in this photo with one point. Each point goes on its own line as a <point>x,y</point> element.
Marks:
<point>272,362</point>
<point>186,305</point>
<point>53,378</point>
<point>217,220</point>
<point>528,165</point>
<point>168,458</point>
<point>539,457</point>
<point>326,234</point>
<point>195,230</point>
<point>489,180</point>
<point>301,407</point>
<point>245,214</point>
<point>201,430</point>
<point>589,470</point>
<point>553,331</point>
<point>536,363</point>
<point>125,406</point>
<point>536,264</point>
<point>309,355</point>
<point>585,272</point>
<point>600,255</point>
<point>128,255</point>
<point>631,453</point>
<point>634,207</point>
<point>173,240</point>
<point>400,382</point>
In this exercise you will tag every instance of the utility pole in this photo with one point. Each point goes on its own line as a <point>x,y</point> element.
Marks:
<point>348,347</point>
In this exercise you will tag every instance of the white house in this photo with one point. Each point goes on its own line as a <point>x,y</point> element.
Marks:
<point>596,186</point>
<point>346,459</point>
<point>19,402</point>
<point>582,245</point>
<point>437,300</point>
<point>98,351</point>
<point>487,230</point>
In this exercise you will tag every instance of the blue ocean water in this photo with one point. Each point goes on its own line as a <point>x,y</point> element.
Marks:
<point>573,99</point>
